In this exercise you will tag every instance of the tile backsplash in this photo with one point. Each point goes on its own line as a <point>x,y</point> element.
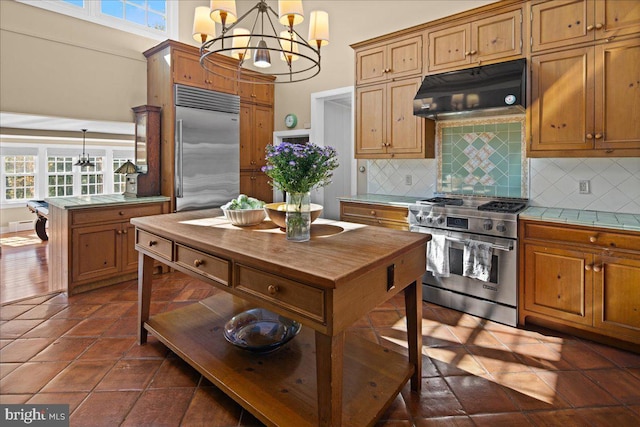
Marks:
<point>550,182</point>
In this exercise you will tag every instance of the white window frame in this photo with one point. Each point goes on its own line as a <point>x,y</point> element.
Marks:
<point>57,174</point>
<point>3,186</point>
<point>92,13</point>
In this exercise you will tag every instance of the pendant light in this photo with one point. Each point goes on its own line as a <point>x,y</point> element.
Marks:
<point>83,159</point>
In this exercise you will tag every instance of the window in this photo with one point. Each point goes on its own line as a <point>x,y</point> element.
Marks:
<point>157,19</point>
<point>60,176</point>
<point>19,177</point>
<point>119,179</point>
<point>92,178</point>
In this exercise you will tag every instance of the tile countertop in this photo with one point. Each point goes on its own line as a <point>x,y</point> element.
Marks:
<point>381,199</point>
<point>100,200</point>
<point>619,221</point>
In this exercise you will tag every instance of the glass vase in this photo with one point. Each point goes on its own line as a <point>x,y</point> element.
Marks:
<point>298,217</point>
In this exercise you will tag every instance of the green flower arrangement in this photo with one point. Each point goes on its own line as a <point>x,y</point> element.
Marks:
<point>298,168</point>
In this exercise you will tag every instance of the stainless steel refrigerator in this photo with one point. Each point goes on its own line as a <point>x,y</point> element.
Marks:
<point>207,166</point>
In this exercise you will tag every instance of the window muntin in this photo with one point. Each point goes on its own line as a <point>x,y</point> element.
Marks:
<point>92,178</point>
<point>19,177</point>
<point>157,19</point>
<point>59,176</point>
<point>119,179</point>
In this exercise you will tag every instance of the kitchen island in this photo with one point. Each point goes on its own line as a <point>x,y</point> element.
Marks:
<point>91,240</point>
<point>324,376</point>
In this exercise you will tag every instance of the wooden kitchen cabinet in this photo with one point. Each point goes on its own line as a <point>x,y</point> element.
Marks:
<point>584,101</point>
<point>478,41</point>
<point>95,246</point>
<point>386,126</point>
<point>583,278</point>
<point>375,214</point>
<point>256,101</point>
<point>256,131</point>
<point>557,24</point>
<point>188,71</point>
<point>398,58</point>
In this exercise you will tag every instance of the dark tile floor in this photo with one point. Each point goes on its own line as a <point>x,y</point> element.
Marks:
<point>82,350</point>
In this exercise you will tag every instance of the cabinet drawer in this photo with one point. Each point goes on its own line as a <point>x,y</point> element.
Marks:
<point>596,238</point>
<point>208,265</point>
<point>152,243</point>
<point>122,213</point>
<point>373,212</point>
<point>297,297</point>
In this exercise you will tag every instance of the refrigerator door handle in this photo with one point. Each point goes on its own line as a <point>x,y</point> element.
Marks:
<point>179,187</point>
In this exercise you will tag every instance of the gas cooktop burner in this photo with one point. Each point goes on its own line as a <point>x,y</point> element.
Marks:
<point>502,206</point>
<point>444,201</point>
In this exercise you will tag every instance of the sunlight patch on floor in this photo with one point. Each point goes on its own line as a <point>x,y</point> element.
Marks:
<point>17,241</point>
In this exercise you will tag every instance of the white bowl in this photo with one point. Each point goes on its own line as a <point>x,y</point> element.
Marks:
<point>245,217</point>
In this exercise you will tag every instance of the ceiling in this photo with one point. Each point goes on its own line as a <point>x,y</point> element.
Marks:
<point>36,122</point>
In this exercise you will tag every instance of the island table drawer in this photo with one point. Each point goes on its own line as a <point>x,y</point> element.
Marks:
<point>156,244</point>
<point>122,213</point>
<point>209,266</point>
<point>297,297</point>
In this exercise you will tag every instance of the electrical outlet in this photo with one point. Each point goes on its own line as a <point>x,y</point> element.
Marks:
<point>408,179</point>
<point>585,187</point>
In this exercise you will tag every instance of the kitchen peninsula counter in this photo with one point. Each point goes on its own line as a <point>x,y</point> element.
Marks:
<point>91,241</point>
<point>324,376</point>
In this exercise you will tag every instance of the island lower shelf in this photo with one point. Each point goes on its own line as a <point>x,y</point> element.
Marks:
<point>279,388</point>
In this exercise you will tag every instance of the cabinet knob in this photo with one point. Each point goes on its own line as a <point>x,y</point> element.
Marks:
<point>125,231</point>
<point>587,267</point>
<point>593,239</point>
<point>119,232</point>
<point>589,136</point>
<point>597,268</point>
<point>467,53</point>
<point>599,136</point>
<point>152,243</point>
<point>590,27</point>
<point>197,262</point>
<point>599,26</point>
<point>272,289</point>
<point>121,213</point>
<point>473,52</point>
<point>373,213</point>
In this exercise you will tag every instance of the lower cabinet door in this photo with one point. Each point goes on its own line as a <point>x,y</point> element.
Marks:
<point>129,252</point>
<point>96,251</point>
<point>558,283</point>
<point>617,296</point>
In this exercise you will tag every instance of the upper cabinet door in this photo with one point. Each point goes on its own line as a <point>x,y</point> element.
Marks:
<point>562,98</point>
<point>497,37</point>
<point>370,120</point>
<point>449,47</point>
<point>617,95</point>
<point>385,62</point>
<point>557,24</point>
<point>405,131</point>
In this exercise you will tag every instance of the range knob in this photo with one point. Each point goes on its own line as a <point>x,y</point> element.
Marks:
<point>440,220</point>
<point>501,227</point>
<point>430,220</point>
<point>488,225</point>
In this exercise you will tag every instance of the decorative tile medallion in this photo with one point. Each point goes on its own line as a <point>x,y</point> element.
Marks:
<point>483,157</point>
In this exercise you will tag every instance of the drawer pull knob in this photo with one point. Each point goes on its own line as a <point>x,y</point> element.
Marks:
<point>597,268</point>
<point>120,213</point>
<point>198,262</point>
<point>593,239</point>
<point>272,289</point>
<point>373,213</point>
<point>152,242</point>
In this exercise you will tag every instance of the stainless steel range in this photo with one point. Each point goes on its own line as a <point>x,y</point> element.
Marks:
<point>473,256</point>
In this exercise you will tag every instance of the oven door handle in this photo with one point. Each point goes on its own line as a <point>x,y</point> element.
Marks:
<point>507,248</point>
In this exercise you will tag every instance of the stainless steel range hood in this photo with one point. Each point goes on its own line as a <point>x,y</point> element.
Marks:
<point>479,91</point>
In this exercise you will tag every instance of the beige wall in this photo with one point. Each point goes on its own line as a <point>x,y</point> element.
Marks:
<point>55,65</point>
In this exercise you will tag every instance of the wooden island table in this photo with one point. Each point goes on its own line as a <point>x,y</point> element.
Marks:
<point>321,377</point>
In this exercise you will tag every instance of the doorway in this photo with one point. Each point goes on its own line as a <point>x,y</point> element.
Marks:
<point>332,124</point>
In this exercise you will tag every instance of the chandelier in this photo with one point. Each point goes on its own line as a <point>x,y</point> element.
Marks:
<point>268,34</point>
<point>83,159</point>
